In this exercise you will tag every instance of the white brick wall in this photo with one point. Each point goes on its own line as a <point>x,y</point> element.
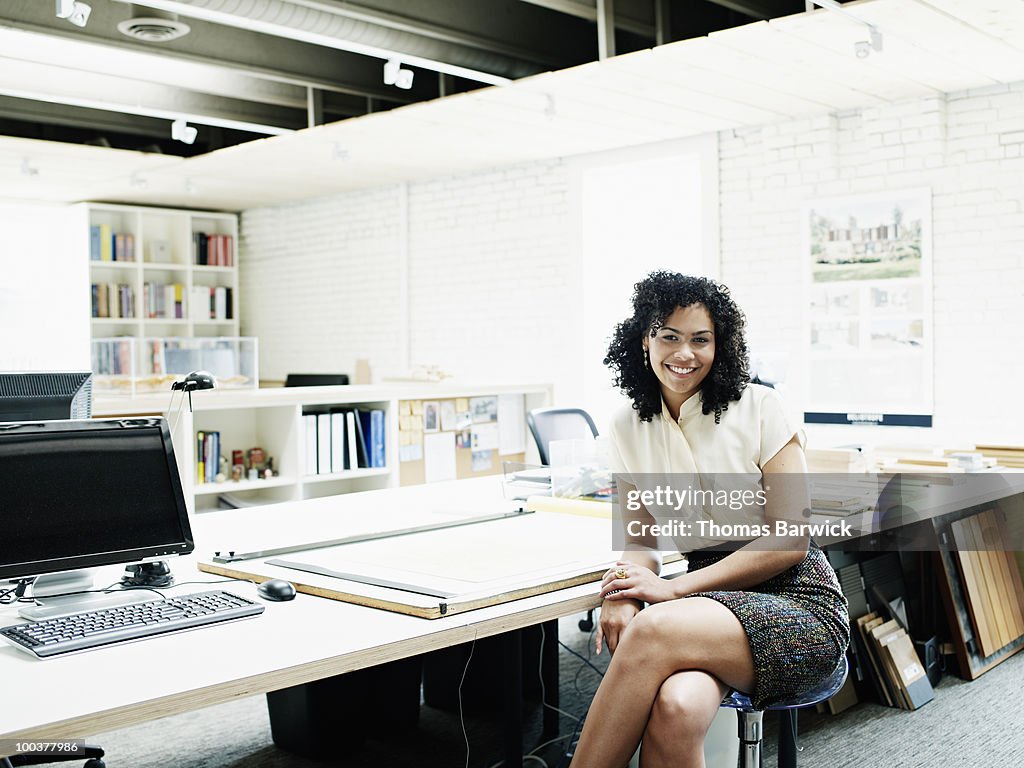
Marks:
<point>488,265</point>
<point>318,282</point>
<point>967,148</point>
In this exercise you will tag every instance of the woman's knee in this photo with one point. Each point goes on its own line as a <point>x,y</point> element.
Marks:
<point>684,708</point>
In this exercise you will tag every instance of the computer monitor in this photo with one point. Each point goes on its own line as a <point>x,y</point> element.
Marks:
<point>41,396</point>
<point>82,494</point>
<point>315,379</point>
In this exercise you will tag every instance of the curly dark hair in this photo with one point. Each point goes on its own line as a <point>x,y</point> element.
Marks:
<point>655,298</point>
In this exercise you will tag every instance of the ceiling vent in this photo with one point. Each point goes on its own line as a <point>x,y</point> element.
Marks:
<point>152,26</point>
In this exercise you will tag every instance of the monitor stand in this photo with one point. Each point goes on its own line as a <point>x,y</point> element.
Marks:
<point>51,593</point>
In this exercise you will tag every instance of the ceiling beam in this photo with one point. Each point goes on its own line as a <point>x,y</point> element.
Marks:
<point>760,9</point>
<point>587,9</point>
<point>49,83</point>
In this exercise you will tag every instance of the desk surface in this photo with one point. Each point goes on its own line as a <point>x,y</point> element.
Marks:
<point>291,643</point>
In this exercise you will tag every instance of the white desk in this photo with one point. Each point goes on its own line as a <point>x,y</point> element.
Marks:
<point>294,642</point>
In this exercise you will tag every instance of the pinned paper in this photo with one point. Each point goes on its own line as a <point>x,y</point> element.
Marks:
<point>485,437</point>
<point>484,409</point>
<point>439,456</point>
<point>511,424</point>
<point>448,416</point>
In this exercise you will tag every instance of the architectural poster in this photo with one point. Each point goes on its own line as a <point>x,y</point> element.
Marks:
<point>870,338</point>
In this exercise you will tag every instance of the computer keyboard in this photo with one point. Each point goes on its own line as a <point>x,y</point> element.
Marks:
<point>94,629</point>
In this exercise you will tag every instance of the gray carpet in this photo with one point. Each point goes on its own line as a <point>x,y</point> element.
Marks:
<point>975,724</point>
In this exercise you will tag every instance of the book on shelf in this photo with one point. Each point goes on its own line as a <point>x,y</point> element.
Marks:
<point>107,245</point>
<point>112,300</point>
<point>208,444</point>
<point>213,250</point>
<point>372,422</point>
<point>95,250</point>
<point>112,358</point>
<point>208,302</point>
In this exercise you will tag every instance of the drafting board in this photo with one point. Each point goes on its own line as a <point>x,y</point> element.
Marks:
<point>438,573</point>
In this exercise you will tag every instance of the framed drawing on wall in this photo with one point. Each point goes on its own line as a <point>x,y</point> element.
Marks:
<point>870,309</point>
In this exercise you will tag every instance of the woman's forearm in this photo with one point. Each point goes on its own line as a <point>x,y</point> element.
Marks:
<point>746,567</point>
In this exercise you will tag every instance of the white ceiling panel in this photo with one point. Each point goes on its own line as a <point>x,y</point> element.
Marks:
<point>946,37</point>
<point>760,73</point>
<point>1001,19</point>
<point>900,57</point>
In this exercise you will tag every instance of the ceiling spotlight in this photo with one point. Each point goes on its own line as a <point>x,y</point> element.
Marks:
<point>863,48</point>
<point>183,132</point>
<point>396,76</point>
<point>74,11</point>
<point>27,169</point>
<point>136,181</point>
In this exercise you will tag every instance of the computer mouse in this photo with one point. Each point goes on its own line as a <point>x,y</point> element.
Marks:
<point>276,590</point>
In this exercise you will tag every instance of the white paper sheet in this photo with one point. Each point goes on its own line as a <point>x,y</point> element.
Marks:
<point>511,424</point>
<point>439,456</point>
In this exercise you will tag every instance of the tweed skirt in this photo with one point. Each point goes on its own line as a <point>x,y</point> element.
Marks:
<point>797,624</point>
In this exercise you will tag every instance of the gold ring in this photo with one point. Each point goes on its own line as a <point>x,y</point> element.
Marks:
<point>621,573</point>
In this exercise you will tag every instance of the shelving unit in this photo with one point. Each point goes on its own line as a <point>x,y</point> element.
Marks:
<point>271,419</point>
<point>162,251</point>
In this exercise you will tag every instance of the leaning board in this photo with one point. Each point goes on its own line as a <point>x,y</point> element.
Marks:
<point>444,572</point>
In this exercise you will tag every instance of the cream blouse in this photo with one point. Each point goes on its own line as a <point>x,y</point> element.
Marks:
<point>693,451</point>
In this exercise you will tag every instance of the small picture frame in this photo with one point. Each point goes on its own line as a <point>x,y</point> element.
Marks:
<point>431,416</point>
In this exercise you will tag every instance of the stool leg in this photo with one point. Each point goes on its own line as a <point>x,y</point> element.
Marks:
<point>750,737</point>
<point>787,738</point>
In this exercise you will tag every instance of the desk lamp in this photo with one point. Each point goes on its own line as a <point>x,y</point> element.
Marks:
<point>157,573</point>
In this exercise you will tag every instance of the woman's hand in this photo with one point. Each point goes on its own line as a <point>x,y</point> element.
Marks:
<point>629,581</point>
<point>614,618</point>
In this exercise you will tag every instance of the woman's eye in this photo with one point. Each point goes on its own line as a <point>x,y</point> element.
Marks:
<point>700,341</point>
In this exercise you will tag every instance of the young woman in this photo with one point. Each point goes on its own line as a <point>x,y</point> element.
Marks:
<point>765,616</point>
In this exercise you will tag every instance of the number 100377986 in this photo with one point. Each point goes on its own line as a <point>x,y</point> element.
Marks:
<point>57,747</point>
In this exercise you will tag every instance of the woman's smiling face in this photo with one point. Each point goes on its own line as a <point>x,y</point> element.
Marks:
<point>681,353</point>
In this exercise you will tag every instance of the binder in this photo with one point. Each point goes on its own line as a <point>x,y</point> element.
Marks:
<point>352,459</point>
<point>309,463</point>
<point>337,441</point>
<point>323,442</point>
<point>372,423</point>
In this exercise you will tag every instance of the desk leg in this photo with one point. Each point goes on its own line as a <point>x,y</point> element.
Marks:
<point>549,671</point>
<point>513,699</point>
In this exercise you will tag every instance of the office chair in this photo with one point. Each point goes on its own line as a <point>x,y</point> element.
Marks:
<point>92,755</point>
<point>547,424</point>
<point>749,719</point>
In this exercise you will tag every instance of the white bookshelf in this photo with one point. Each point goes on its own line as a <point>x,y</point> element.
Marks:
<point>163,253</point>
<point>271,419</point>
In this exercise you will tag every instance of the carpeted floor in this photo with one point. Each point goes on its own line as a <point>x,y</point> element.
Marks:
<point>972,724</point>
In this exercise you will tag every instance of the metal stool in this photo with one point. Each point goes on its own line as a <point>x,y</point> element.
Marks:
<point>750,719</point>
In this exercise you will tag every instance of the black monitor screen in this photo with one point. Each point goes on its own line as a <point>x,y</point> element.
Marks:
<point>87,493</point>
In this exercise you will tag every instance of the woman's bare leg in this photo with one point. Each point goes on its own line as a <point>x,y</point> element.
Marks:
<point>691,633</point>
<point>682,713</point>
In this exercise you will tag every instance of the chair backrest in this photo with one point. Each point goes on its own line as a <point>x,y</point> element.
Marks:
<point>549,424</point>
